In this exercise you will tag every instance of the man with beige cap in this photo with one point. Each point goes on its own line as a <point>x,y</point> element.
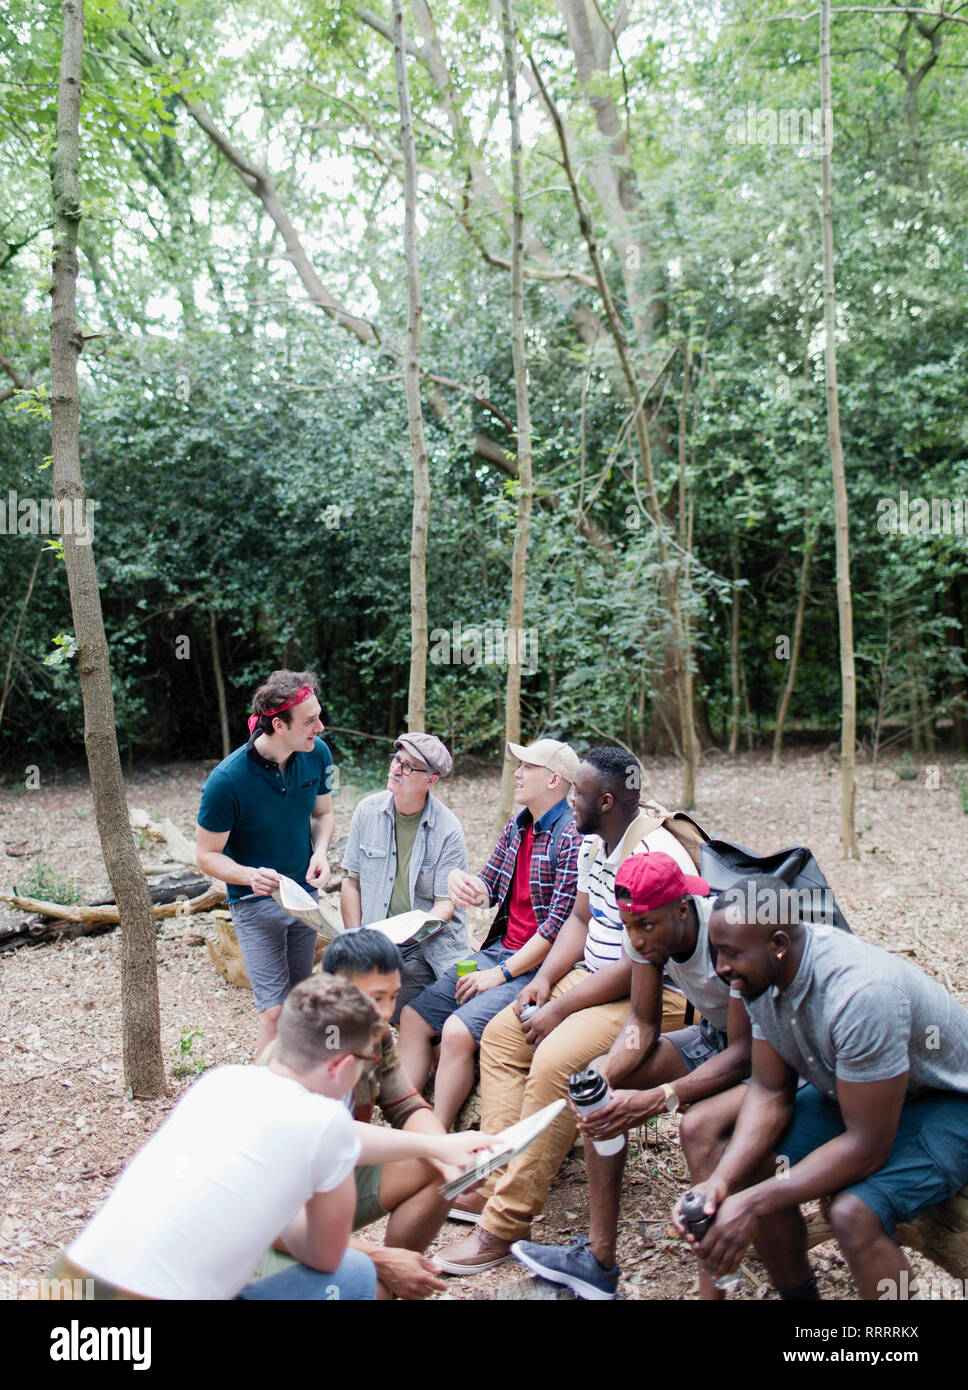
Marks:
<point>533,875</point>
<point>402,845</point>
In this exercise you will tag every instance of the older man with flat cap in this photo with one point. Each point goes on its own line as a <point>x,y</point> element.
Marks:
<point>532,874</point>
<point>403,843</point>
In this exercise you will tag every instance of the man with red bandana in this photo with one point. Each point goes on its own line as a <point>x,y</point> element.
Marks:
<point>267,810</point>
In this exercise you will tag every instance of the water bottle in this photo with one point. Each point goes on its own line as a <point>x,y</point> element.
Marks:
<point>589,1092</point>
<point>692,1209</point>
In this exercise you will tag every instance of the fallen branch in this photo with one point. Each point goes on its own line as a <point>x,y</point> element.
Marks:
<point>72,912</point>
<point>180,847</point>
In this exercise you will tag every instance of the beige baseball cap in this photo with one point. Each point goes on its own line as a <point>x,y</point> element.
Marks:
<point>549,753</point>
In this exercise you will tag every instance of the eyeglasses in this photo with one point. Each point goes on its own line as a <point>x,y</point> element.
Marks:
<point>363,1056</point>
<point>407,768</point>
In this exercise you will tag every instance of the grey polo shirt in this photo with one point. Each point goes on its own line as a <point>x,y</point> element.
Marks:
<point>854,1012</point>
<point>371,857</point>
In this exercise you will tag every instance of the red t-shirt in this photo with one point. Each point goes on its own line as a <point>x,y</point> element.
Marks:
<point>522,923</point>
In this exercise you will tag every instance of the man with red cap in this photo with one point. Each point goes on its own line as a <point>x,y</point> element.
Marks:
<point>402,845</point>
<point>665,918</point>
<point>267,810</point>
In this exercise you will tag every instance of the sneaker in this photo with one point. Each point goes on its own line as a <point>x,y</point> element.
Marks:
<point>574,1266</point>
<point>479,1250</point>
<point>467,1207</point>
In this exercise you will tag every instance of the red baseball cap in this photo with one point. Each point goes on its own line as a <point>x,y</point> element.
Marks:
<point>654,879</point>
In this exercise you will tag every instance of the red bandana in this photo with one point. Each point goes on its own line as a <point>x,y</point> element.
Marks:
<point>303,693</point>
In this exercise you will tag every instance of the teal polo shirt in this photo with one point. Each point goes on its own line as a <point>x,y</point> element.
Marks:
<point>266,811</point>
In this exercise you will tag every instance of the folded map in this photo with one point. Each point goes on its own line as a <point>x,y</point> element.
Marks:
<point>507,1145</point>
<point>403,929</point>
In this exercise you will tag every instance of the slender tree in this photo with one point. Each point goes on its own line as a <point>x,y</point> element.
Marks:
<point>848,715</point>
<point>223,711</point>
<point>512,704</point>
<point>141,1028</point>
<point>679,653</point>
<point>417,701</point>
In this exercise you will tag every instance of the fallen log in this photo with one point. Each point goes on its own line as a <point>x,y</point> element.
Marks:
<point>183,883</point>
<point>939,1233</point>
<point>73,912</point>
<point>180,847</point>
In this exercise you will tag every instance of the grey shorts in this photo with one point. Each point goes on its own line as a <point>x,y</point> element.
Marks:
<point>698,1043</point>
<point>276,949</point>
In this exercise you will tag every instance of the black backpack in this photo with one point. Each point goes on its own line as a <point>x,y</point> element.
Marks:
<point>723,865</point>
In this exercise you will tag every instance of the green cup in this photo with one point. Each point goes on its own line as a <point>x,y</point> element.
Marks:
<point>465,967</point>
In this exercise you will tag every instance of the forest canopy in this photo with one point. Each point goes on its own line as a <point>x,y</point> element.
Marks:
<point>243,423</point>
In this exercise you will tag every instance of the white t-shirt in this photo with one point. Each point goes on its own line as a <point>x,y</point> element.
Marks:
<point>194,1211</point>
<point>596,877</point>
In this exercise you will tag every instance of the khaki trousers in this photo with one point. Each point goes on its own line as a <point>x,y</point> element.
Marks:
<point>517,1080</point>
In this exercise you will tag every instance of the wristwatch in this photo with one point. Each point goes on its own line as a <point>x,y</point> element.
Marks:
<point>672,1100</point>
<point>506,972</point>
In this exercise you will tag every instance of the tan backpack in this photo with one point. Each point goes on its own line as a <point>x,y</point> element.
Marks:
<point>683,828</point>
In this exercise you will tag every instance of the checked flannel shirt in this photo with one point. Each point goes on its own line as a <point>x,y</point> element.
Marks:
<point>552,890</point>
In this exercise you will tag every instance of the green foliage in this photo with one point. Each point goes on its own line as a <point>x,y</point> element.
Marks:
<point>906,768</point>
<point>43,881</point>
<point>65,648</point>
<point>185,1062</point>
<point>250,458</point>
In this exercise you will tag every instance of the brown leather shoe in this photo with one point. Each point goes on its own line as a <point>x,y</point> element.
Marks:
<point>479,1250</point>
<point>467,1207</point>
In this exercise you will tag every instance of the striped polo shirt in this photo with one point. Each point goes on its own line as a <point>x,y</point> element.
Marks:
<point>596,877</point>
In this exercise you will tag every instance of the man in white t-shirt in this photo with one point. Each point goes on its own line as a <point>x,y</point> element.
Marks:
<point>582,990</point>
<point>250,1155</point>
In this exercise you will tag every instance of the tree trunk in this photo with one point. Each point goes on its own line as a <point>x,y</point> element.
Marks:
<point>16,634</point>
<point>848,718</point>
<point>737,693</point>
<point>141,1029</point>
<point>958,687</point>
<point>417,702</point>
<point>810,533</point>
<point>512,703</point>
<point>691,748</point>
<point>223,713</point>
<point>809,542</point>
<point>670,568</point>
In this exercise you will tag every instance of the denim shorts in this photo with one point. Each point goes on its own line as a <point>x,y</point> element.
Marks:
<point>277,950</point>
<point>438,1001</point>
<point>355,1278</point>
<point>697,1043</point>
<point>928,1163</point>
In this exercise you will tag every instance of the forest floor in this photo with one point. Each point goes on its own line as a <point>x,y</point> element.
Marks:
<point>67,1127</point>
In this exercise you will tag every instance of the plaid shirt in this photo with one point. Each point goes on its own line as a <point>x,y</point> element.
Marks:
<point>552,890</point>
<point>388,1086</point>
